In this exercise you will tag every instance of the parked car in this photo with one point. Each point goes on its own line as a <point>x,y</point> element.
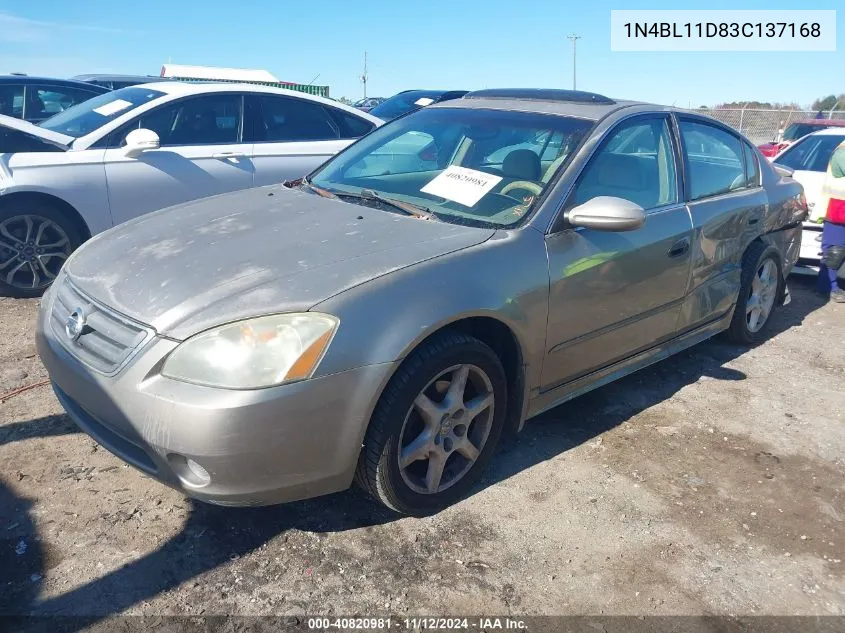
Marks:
<point>138,149</point>
<point>277,343</point>
<point>410,100</point>
<point>795,131</point>
<point>368,103</point>
<point>38,98</point>
<point>115,82</point>
<point>808,159</point>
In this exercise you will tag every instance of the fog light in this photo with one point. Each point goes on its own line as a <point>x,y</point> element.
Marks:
<point>189,472</point>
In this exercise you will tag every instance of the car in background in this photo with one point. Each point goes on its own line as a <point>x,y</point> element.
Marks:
<point>795,131</point>
<point>115,82</point>
<point>807,159</point>
<point>410,100</point>
<point>280,343</point>
<point>38,98</point>
<point>368,103</point>
<point>134,150</point>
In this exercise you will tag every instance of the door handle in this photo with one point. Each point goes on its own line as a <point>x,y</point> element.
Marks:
<point>228,155</point>
<point>679,248</point>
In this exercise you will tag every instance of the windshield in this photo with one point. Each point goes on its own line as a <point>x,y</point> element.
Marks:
<point>90,115</point>
<point>474,167</point>
<point>405,102</point>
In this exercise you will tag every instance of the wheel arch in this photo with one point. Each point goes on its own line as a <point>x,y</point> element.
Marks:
<point>8,200</point>
<point>504,341</point>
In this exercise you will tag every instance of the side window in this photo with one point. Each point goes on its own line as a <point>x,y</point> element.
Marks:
<point>714,158</point>
<point>11,100</point>
<point>290,119</point>
<point>45,101</point>
<point>636,163</point>
<point>207,120</point>
<point>350,125</point>
<point>752,167</point>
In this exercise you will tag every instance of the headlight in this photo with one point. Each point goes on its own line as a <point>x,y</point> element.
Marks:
<point>255,353</point>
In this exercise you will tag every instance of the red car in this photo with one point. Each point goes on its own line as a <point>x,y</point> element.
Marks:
<point>796,130</point>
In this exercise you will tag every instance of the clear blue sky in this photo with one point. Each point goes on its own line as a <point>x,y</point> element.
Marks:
<point>426,44</point>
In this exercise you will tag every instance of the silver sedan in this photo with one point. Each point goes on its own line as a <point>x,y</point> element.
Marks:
<point>443,280</point>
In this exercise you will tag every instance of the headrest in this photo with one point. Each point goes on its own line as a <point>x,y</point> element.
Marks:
<point>522,164</point>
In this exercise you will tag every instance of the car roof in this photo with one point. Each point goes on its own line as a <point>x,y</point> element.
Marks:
<point>830,131</point>
<point>582,105</point>
<point>821,122</point>
<point>142,78</point>
<point>70,83</point>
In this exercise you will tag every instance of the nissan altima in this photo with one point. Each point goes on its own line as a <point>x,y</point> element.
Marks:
<point>387,319</point>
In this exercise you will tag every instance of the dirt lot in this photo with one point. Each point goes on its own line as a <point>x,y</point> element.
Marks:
<point>711,483</point>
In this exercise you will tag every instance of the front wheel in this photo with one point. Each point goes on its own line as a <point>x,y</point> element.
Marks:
<point>436,425</point>
<point>760,287</point>
<point>35,241</point>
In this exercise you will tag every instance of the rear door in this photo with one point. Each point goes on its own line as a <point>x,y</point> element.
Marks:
<point>293,136</point>
<point>613,295</point>
<point>202,154</point>
<point>728,206</point>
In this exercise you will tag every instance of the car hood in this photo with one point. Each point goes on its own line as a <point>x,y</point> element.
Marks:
<point>56,138</point>
<point>193,266</point>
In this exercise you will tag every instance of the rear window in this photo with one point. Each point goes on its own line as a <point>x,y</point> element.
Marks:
<point>90,115</point>
<point>794,131</point>
<point>811,153</point>
<point>405,102</point>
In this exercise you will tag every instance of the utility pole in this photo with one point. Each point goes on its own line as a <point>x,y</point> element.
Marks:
<point>574,39</point>
<point>364,75</point>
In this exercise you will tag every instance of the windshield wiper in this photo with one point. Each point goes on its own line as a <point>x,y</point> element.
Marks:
<point>303,182</point>
<point>415,210</point>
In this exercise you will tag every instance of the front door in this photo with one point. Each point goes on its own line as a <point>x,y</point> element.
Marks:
<point>614,294</point>
<point>202,154</point>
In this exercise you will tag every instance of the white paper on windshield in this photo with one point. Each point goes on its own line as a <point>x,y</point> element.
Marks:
<point>464,186</point>
<point>113,107</point>
<point>424,101</point>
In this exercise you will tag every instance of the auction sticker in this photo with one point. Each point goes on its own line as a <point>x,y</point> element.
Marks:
<point>424,101</point>
<point>113,107</point>
<point>462,185</point>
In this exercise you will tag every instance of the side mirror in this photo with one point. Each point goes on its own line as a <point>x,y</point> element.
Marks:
<point>139,141</point>
<point>607,213</point>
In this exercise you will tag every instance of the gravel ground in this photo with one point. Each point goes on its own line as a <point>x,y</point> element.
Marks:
<point>711,483</point>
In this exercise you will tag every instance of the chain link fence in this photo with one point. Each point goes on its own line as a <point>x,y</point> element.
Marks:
<point>761,126</point>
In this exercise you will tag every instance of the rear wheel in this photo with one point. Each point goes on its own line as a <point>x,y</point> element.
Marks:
<point>436,425</point>
<point>761,286</point>
<point>35,241</point>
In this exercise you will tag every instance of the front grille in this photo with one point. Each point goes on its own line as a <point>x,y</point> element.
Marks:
<point>107,339</point>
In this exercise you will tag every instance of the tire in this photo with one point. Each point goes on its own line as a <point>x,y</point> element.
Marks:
<point>433,371</point>
<point>26,271</point>
<point>754,290</point>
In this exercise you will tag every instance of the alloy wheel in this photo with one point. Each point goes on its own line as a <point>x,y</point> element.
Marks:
<point>32,251</point>
<point>446,429</point>
<point>764,287</point>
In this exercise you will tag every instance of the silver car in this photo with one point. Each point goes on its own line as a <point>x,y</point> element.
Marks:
<point>388,318</point>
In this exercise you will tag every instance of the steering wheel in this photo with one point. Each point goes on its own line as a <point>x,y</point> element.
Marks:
<point>533,187</point>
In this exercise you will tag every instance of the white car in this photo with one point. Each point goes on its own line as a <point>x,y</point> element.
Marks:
<point>142,148</point>
<point>809,158</point>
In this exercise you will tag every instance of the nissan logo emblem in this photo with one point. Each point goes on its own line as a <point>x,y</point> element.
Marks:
<point>75,324</point>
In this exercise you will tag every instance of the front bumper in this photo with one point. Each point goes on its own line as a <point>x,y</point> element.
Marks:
<point>255,447</point>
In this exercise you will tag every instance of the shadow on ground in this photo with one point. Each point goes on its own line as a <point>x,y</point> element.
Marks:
<point>229,532</point>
